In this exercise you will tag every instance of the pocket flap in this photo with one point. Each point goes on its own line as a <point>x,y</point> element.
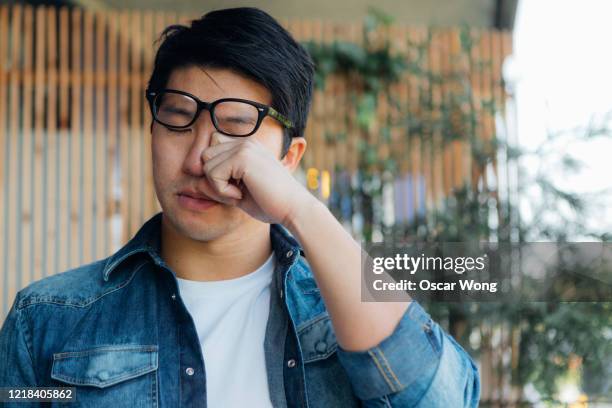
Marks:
<point>317,338</point>
<point>105,365</point>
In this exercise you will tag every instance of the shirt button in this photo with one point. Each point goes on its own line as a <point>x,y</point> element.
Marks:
<point>281,293</point>
<point>291,363</point>
<point>189,371</point>
<point>173,296</point>
<point>103,375</point>
<point>289,254</point>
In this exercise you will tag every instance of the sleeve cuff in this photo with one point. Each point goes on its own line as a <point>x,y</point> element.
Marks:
<point>409,357</point>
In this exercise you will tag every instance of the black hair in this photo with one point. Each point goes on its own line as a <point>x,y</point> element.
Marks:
<point>250,42</point>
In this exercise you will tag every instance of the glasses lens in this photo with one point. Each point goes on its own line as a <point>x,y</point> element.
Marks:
<point>236,118</point>
<point>174,109</point>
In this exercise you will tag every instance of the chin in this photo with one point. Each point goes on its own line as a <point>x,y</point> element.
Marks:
<point>203,226</point>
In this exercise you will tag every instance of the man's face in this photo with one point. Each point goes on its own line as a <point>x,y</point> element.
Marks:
<point>177,156</point>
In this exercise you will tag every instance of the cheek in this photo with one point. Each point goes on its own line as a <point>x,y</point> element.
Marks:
<point>165,160</point>
<point>271,137</point>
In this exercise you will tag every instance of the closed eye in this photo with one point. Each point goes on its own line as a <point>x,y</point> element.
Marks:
<point>239,120</point>
<point>178,130</point>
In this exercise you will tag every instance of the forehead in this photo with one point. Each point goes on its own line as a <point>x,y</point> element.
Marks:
<point>209,84</point>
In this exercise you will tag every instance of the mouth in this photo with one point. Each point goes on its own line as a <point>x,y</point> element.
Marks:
<point>195,201</point>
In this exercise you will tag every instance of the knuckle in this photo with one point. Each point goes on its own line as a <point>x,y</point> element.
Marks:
<point>245,150</point>
<point>206,155</point>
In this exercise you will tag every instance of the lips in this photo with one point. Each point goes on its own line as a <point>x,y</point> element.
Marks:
<point>195,194</point>
<point>196,201</point>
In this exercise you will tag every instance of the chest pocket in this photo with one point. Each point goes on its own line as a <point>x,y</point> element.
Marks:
<point>113,376</point>
<point>327,383</point>
<point>317,339</point>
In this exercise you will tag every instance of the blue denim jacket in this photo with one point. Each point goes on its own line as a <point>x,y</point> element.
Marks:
<point>118,331</point>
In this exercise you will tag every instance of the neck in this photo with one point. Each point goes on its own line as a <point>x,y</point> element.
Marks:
<point>230,256</point>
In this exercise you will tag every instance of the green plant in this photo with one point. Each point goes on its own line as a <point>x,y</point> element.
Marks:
<point>541,338</point>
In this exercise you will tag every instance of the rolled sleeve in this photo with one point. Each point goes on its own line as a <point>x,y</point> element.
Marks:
<point>417,365</point>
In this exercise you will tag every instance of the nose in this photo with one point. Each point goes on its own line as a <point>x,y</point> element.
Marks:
<point>202,131</point>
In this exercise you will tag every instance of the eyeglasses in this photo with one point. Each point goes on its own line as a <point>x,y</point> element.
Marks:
<point>230,116</point>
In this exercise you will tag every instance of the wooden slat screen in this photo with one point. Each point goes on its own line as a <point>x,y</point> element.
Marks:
<point>75,142</point>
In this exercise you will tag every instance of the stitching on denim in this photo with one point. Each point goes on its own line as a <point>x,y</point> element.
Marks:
<point>108,269</point>
<point>154,388</point>
<point>129,375</point>
<point>382,355</point>
<point>27,339</point>
<point>310,323</point>
<point>382,371</point>
<point>103,349</point>
<point>41,300</point>
<point>428,329</point>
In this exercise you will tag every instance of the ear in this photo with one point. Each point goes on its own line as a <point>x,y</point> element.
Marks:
<point>295,153</point>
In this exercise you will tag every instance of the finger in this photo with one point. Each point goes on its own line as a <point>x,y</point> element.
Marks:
<point>213,150</point>
<point>219,138</point>
<point>220,170</point>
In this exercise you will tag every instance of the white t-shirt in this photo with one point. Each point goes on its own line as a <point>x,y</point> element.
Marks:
<point>230,317</point>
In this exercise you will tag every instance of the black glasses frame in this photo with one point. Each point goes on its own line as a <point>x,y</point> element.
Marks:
<point>262,110</point>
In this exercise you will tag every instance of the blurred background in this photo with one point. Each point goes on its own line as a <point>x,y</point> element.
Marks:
<point>435,121</point>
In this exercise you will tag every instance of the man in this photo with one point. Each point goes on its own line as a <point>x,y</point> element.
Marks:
<point>244,291</point>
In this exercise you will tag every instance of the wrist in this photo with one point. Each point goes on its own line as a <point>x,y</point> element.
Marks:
<point>307,209</point>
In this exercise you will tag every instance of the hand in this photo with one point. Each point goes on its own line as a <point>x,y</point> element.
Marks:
<point>262,186</point>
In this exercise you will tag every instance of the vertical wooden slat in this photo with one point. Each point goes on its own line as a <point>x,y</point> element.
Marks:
<point>87,164</point>
<point>354,133</point>
<point>52,168</point>
<point>123,126</point>
<point>26,247</point>
<point>496,90</point>
<point>76,168</point>
<point>101,172</point>
<point>496,68</point>
<point>462,51</point>
<point>446,100</point>
<point>397,93</point>
<point>418,37</point>
<point>63,216</point>
<point>458,108</point>
<point>436,115</point>
<point>400,136</point>
<point>135,142</point>
<point>13,267</point>
<point>476,89</point>
<point>40,151</point>
<point>331,120</point>
<point>377,138</point>
<point>312,31</point>
<point>340,104</point>
<point>488,119</point>
<point>4,145</point>
<point>111,150</point>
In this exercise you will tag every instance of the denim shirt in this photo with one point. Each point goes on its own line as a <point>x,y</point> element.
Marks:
<point>118,331</point>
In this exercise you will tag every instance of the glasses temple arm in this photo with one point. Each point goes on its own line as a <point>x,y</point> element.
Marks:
<point>282,119</point>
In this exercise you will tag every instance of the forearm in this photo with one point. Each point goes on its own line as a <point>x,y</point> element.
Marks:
<point>335,259</point>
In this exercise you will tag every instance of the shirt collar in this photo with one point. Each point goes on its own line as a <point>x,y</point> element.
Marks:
<point>148,240</point>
